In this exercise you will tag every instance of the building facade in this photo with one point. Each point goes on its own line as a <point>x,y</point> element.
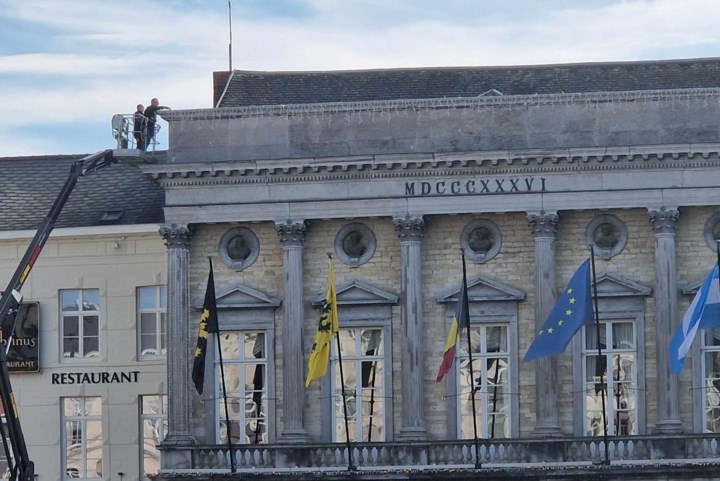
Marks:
<point>92,396</point>
<point>395,173</point>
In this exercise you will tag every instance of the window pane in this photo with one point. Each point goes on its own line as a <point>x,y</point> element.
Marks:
<point>148,323</point>
<point>371,342</point>
<point>712,337</point>
<point>70,300</point>
<point>91,347</point>
<point>347,343</point>
<point>623,335</point>
<point>163,297</point>
<point>497,339</point>
<point>71,326</point>
<point>147,345</point>
<point>71,347</point>
<point>147,297</point>
<point>91,299</point>
<point>91,326</point>
<point>230,345</point>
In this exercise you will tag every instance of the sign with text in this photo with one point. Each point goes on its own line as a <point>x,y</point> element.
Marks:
<point>24,353</point>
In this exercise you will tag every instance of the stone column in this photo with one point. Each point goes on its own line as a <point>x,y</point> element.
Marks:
<point>410,230</point>
<point>544,227</point>
<point>292,237</point>
<point>179,388</point>
<point>666,306</point>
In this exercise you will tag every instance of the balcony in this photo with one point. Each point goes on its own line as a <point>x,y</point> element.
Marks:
<point>650,457</point>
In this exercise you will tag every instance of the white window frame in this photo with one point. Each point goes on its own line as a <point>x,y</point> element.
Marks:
<point>360,305</point>
<point>240,308</point>
<point>160,423</point>
<point>238,413</point>
<point>619,298</point>
<point>357,359</point>
<point>609,353</point>
<point>484,423</point>
<point>708,385</point>
<point>160,313</point>
<point>80,314</point>
<point>80,419</point>
<point>490,302</point>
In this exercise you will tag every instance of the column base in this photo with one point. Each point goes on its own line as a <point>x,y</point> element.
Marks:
<point>413,434</point>
<point>179,440</point>
<point>668,427</point>
<point>548,432</point>
<point>294,436</point>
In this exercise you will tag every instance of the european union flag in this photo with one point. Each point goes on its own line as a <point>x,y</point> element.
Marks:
<point>572,310</point>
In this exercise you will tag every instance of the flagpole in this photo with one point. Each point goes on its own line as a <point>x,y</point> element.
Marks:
<point>351,466</point>
<point>600,356</point>
<point>717,250</point>
<point>494,401</point>
<point>466,315</point>
<point>222,377</point>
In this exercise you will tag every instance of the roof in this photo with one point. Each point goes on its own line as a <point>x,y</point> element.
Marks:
<point>245,88</point>
<point>29,186</point>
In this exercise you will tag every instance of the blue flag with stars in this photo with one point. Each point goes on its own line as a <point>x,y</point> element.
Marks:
<point>572,310</point>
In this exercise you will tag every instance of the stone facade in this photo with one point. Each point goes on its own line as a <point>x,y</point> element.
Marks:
<point>418,172</point>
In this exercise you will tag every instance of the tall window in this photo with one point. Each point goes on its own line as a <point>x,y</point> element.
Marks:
<point>614,375</point>
<point>711,380</point>
<point>153,421</point>
<point>152,309</point>
<point>245,365</point>
<point>363,367</point>
<point>490,363</point>
<point>82,433</point>
<point>80,323</point>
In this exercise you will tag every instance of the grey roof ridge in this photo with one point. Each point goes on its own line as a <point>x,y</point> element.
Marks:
<point>480,67</point>
<point>440,102</point>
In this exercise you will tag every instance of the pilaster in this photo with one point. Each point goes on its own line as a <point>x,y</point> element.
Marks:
<point>177,241</point>
<point>664,221</point>
<point>292,238</point>
<point>543,226</point>
<point>410,231</point>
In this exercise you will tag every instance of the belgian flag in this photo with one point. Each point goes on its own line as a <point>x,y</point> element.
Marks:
<point>461,320</point>
<point>208,324</point>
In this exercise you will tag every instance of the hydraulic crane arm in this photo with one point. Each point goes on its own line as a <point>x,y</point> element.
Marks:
<point>21,468</point>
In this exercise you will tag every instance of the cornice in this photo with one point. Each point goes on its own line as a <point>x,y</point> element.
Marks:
<point>505,162</point>
<point>380,107</point>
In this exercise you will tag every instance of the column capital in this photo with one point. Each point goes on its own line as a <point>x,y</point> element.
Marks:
<point>664,219</point>
<point>291,233</point>
<point>543,224</point>
<point>410,228</point>
<point>176,236</point>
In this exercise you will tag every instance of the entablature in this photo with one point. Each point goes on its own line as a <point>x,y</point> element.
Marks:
<point>498,162</point>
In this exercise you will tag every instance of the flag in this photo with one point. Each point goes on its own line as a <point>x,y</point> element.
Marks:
<point>208,324</point>
<point>572,310</point>
<point>327,327</point>
<point>460,320</point>
<point>703,313</point>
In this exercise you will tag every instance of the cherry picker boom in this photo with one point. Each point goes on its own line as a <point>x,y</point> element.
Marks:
<point>20,466</point>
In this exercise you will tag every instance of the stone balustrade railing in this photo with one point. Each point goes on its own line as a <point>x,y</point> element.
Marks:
<point>509,453</point>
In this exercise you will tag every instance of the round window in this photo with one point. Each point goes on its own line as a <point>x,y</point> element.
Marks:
<point>239,248</point>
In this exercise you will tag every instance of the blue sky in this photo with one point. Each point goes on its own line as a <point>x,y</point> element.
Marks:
<point>66,66</point>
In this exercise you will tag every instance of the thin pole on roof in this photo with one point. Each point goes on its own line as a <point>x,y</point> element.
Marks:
<point>230,44</point>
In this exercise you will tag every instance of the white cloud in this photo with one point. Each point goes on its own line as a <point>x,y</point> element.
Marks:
<point>93,59</point>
